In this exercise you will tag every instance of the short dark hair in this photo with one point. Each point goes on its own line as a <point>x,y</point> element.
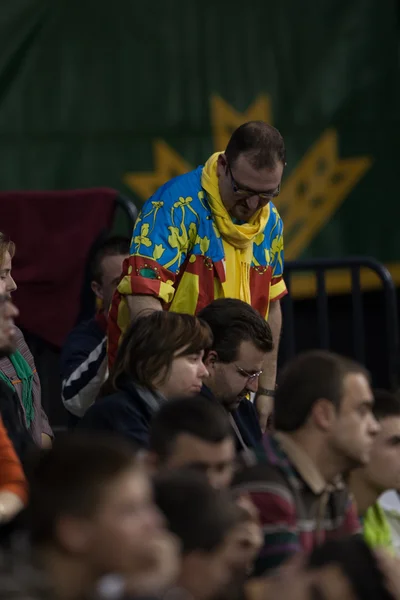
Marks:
<point>358,563</point>
<point>199,515</point>
<point>232,322</point>
<point>308,378</point>
<point>262,144</point>
<point>386,404</point>
<point>116,245</point>
<point>69,478</point>
<point>198,416</point>
<point>151,344</point>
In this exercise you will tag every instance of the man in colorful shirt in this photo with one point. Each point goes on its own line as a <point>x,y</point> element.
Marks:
<point>325,428</point>
<point>212,233</point>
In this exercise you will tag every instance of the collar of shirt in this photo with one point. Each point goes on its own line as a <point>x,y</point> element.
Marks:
<point>303,464</point>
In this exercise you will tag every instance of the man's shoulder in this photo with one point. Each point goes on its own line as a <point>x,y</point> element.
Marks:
<point>184,186</point>
<point>86,329</point>
<point>272,466</point>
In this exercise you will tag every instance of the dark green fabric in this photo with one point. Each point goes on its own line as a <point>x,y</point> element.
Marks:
<point>25,374</point>
<point>87,87</point>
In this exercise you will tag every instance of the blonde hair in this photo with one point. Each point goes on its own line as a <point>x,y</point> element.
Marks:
<point>6,245</point>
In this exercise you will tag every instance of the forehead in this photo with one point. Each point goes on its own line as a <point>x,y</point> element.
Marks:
<point>132,485</point>
<point>249,357</point>
<point>112,264</point>
<point>356,389</point>
<point>390,427</point>
<point>193,448</point>
<point>6,262</point>
<point>257,179</point>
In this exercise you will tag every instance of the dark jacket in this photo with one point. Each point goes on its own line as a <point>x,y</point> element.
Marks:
<point>84,366</point>
<point>14,422</point>
<point>128,412</point>
<point>246,419</point>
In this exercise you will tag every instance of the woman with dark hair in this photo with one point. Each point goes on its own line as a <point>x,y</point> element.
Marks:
<point>159,359</point>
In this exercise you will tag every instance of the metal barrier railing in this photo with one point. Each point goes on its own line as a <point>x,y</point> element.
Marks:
<point>320,267</point>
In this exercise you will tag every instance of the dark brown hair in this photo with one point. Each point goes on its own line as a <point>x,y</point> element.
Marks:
<point>113,246</point>
<point>308,378</point>
<point>6,245</point>
<point>70,478</point>
<point>262,144</point>
<point>233,322</point>
<point>153,341</point>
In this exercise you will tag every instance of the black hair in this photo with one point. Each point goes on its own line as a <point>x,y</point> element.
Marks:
<point>262,144</point>
<point>308,378</point>
<point>386,404</point>
<point>198,416</point>
<point>68,479</point>
<point>199,515</point>
<point>116,245</point>
<point>232,322</point>
<point>357,562</point>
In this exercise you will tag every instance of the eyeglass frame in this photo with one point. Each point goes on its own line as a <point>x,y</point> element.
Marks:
<point>246,193</point>
<point>250,376</point>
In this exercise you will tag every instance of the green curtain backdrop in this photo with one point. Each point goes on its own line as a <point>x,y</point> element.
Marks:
<point>127,94</point>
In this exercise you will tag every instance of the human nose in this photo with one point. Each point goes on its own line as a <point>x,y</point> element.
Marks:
<point>253,202</point>
<point>252,384</point>
<point>11,285</point>
<point>203,371</point>
<point>374,426</point>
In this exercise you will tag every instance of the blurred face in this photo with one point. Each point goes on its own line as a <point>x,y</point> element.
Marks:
<point>5,274</point>
<point>125,528</point>
<point>185,377</point>
<point>205,574</point>
<point>354,428</point>
<point>383,469</point>
<point>215,459</point>
<point>244,190</point>
<point>111,268</point>
<point>8,312</point>
<point>231,382</point>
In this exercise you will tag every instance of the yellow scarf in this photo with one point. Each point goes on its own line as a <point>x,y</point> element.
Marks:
<point>237,239</point>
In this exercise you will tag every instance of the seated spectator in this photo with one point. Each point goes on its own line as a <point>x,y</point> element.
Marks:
<point>159,359</point>
<point>381,474</point>
<point>84,355</point>
<point>390,504</point>
<point>324,428</point>
<point>242,340</point>
<point>13,486</point>
<point>204,520</point>
<point>91,516</point>
<point>10,410</point>
<point>18,370</point>
<point>195,434</point>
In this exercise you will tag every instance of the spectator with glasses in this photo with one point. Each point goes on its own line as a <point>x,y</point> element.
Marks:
<point>209,234</point>
<point>242,345</point>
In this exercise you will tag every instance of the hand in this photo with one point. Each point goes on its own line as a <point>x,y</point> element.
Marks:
<point>47,442</point>
<point>264,406</point>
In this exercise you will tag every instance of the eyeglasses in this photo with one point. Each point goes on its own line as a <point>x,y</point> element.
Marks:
<point>247,193</point>
<point>249,376</point>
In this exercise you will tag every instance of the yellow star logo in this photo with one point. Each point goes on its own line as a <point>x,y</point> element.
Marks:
<point>225,119</point>
<point>315,189</point>
<point>168,164</point>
